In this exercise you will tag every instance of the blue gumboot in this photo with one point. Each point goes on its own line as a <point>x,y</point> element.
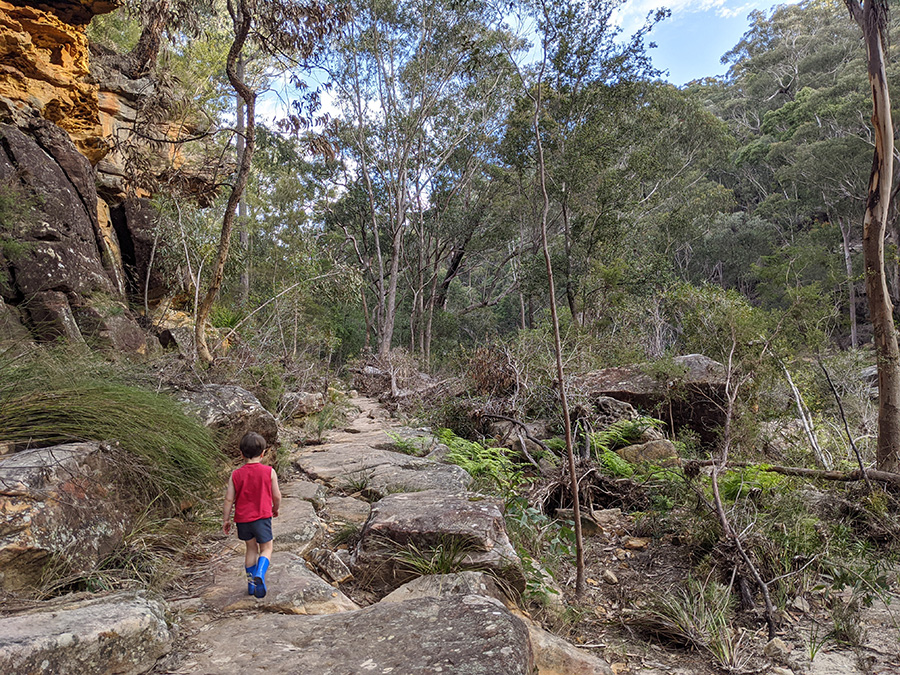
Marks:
<point>259,576</point>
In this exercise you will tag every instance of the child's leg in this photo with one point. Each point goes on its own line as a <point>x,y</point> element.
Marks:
<point>251,555</point>
<point>251,552</point>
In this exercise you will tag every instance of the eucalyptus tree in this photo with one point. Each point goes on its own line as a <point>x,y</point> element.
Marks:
<point>418,83</point>
<point>277,26</point>
<point>873,19</point>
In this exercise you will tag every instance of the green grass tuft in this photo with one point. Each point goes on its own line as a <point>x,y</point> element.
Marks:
<point>48,398</point>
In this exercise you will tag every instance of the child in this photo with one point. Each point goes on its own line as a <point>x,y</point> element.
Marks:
<point>253,490</point>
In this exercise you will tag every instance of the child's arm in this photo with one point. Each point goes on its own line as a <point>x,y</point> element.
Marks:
<point>226,507</point>
<point>276,494</point>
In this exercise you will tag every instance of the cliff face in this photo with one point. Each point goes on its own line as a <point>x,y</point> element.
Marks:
<point>68,253</point>
<point>46,69</point>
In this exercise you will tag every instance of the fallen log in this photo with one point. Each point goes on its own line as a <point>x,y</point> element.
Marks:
<point>820,474</point>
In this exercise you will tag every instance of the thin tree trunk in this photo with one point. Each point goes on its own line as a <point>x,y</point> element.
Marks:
<point>873,20</point>
<point>241,18</point>
<point>243,233</point>
<point>848,264</point>
<point>557,342</point>
<point>143,57</point>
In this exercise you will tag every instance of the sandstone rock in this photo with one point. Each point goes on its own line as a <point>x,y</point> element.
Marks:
<point>233,412</point>
<point>461,634</point>
<point>298,529</point>
<point>109,325</point>
<point>45,56</point>
<point>11,327</point>
<point>610,410</point>
<point>458,583</point>
<point>382,471</point>
<point>609,577</point>
<point>636,543</point>
<point>300,404</point>
<point>52,317</point>
<point>58,504</point>
<point>555,656</point>
<point>468,527</point>
<point>552,655</point>
<point>329,564</point>
<point>58,250</point>
<point>655,452</point>
<point>308,491</point>
<point>696,394</point>
<point>348,510</point>
<point>120,634</point>
<point>292,589</point>
<point>776,649</point>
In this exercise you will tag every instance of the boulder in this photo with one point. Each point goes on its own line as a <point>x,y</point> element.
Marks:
<point>57,505</point>
<point>660,452</point>
<point>314,493</point>
<point>467,530</point>
<point>458,583</point>
<point>292,589</point>
<point>330,564</point>
<point>119,634</point>
<point>231,411</point>
<point>300,404</point>
<point>57,244</point>
<point>552,655</point>
<point>357,466</point>
<point>693,398</point>
<point>459,634</point>
<point>347,510</point>
<point>298,529</point>
<point>61,271</point>
<point>11,327</point>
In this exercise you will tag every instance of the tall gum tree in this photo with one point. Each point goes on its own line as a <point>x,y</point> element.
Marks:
<point>872,17</point>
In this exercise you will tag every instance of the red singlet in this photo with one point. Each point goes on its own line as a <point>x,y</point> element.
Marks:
<point>252,492</point>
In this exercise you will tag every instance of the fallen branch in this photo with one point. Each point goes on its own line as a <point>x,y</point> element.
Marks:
<point>524,428</point>
<point>820,474</point>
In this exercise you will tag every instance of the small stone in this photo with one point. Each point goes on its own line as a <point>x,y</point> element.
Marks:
<point>801,604</point>
<point>621,554</point>
<point>781,671</point>
<point>636,543</point>
<point>330,565</point>
<point>609,577</point>
<point>776,649</point>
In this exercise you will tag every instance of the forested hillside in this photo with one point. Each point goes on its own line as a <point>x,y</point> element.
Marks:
<point>645,319</point>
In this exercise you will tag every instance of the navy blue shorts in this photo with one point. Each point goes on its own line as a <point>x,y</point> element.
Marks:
<point>261,530</point>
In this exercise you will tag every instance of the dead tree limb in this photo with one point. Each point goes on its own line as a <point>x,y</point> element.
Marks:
<point>524,429</point>
<point>818,474</point>
<point>837,398</point>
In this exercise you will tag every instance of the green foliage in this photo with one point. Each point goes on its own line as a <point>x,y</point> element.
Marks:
<point>417,447</point>
<point>221,316</point>
<point>614,465</point>
<point>699,615</point>
<point>490,467</point>
<point>446,556</point>
<point>545,546</point>
<point>739,483</point>
<point>51,398</point>
<point>623,433</point>
<point>266,383</point>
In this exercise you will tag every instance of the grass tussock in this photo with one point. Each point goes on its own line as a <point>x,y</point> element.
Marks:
<point>48,397</point>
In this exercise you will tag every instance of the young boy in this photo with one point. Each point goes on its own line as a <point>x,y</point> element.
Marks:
<point>253,490</point>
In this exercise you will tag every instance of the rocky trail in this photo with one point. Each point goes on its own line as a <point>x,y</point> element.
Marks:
<point>307,624</point>
<point>355,587</point>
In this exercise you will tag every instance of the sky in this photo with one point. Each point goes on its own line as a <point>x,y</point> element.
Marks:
<point>690,43</point>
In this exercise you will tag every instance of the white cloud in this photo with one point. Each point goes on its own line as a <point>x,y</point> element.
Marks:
<point>631,16</point>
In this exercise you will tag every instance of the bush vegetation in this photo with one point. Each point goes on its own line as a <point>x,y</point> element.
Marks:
<point>58,396</point>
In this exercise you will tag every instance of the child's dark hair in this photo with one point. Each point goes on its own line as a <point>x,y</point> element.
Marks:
<point>252,445</point>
